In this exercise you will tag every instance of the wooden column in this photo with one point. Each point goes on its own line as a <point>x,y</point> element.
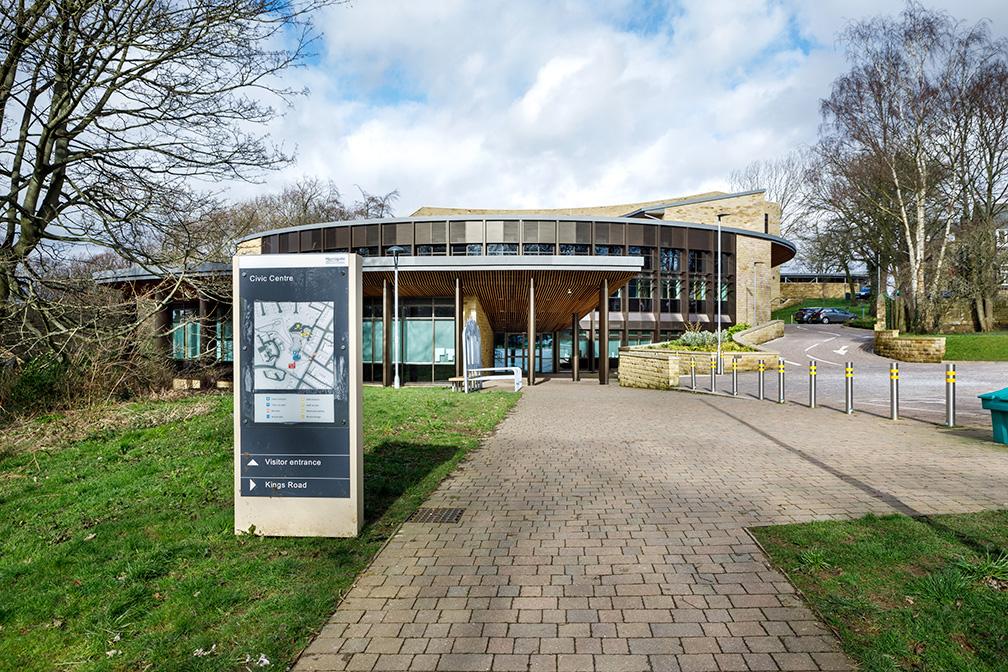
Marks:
<point>531,332</point>
<point>603,334</point>
<point>386,374</point>
<point>459,327</point>
<point>575,351</point>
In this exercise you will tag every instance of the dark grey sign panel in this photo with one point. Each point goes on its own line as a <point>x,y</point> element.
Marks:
<point>293,392</point>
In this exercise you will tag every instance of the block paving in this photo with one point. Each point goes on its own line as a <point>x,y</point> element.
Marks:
<point>605,529</point>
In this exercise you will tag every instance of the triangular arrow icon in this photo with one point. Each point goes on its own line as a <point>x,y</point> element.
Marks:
<point>253,463</point>
<point>251,485</point>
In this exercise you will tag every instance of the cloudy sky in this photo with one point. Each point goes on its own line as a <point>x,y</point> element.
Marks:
<point>532,103</point>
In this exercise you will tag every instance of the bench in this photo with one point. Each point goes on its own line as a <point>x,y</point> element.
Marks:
<point>478,376</point>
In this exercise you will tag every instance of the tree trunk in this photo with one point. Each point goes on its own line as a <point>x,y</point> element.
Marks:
<point>983,313</point>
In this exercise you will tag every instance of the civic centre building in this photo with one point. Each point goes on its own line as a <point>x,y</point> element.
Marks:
<point>554,291</point>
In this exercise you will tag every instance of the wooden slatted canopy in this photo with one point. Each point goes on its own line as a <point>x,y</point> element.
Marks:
<point>563,285</point>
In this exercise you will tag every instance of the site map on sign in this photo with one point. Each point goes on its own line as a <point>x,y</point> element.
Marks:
<point>294,345</point>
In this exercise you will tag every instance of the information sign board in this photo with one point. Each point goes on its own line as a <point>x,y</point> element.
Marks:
<point>298,463</point>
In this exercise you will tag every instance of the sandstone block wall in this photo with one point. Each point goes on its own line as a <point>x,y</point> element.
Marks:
<point>648,369</point>
<point>889,343</point>
<point>747,361</point>
<point>253,246</point>
<point>761,333</point>
<point>816,290</point>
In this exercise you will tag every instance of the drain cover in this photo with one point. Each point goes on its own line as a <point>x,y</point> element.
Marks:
<point>436,515</point>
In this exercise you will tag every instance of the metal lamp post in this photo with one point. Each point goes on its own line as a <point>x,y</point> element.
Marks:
<point>718,316</point>
<point>395,250</point>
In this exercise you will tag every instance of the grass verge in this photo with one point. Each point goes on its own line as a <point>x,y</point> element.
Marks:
<point>117,551</point>
<point>905,593</point>
<point>990,347</point>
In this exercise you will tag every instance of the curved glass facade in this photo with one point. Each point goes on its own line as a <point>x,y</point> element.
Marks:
<point>677,283</point>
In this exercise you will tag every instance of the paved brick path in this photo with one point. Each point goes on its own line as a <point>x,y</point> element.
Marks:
<point>604,530</point>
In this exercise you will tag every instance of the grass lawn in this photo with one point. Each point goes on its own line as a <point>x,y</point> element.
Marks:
<point>787,314</point>
<point>905,594</point>
<point>117,551</point>
<point>991,346</point>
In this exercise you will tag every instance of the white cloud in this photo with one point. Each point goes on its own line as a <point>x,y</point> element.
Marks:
<point>520,103</point>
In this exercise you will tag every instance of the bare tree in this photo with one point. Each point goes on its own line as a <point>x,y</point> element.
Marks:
<point>889,108</point>
<point>310,200</point>
<point>110,112</point>
<point>975,147</point>
<point>783,178</point>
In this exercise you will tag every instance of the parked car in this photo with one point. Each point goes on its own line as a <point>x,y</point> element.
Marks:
<point>802,315</point>
<point>832,316</point>
<point>864,293</point>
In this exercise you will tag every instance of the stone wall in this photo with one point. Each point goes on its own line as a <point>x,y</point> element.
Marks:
<point>755,285</point>
<point>747,361</point>
<point>889,343</point>
<point>761,333</point>
<point>816,290</point>
<point>253,246</point>
<point>648,369</point>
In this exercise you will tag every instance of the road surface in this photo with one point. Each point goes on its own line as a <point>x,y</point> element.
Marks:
<point>921,386</point>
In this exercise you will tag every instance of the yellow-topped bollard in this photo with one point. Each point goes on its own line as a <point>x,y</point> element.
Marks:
<point>812,383</point>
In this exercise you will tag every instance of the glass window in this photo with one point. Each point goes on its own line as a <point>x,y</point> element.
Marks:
<point>572,249</point>
<point>467,249</point>
<point>614,344</point>
<point>640,337</point>
<point>640,251</point>
<point>698,295</point>
<point>404,250</point>
<point>697,261</point>
<point>502,249</point>
<point>609,250</point>
<point>725,297</point>
<point>225,340</point>
<point>616,302</point>
<point>539,248</point>
<point>430,250</point>
<point>671,259</point>
<point>444,341</point>
<point>185,334</point>
<point>418,341</point>
<point>366,251</point>
<point>639,292</point>
<point>367,346</point>
<point>671,293</point>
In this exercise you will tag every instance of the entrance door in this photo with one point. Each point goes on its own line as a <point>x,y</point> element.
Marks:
<point>509,350</point>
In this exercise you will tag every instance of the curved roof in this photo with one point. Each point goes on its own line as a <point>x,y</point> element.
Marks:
<point>782,250</point>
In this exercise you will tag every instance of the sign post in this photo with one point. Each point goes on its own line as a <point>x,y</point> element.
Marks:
<point>297,386</point>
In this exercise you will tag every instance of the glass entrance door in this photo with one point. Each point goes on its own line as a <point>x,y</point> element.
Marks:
<point>510,350</point>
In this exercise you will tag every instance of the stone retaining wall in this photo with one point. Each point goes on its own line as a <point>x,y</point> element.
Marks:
<point>648,369</point>
<point>889,343</point>
<point>748,361</point>
<point>753,337</point>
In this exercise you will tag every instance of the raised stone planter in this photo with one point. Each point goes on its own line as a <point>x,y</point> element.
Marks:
<point>648,369</point>
<point>889,343</point>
